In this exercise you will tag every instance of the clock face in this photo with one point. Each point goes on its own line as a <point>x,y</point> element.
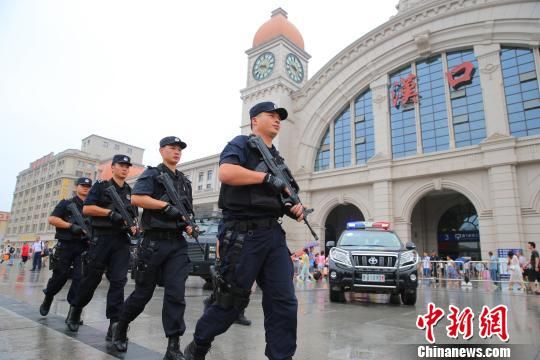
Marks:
<point>263,66</point>
<point>294,68</point>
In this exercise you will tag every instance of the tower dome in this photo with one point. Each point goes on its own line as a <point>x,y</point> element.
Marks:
<point>278,25</point>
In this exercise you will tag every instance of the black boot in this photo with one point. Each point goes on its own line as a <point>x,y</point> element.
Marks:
<point>46,305</point>
<point>119,335</point>
<point>196,352</point>
<point>242,320</point>
<point>173,349</point>
<point>74,318</point>
<point>109,335</point>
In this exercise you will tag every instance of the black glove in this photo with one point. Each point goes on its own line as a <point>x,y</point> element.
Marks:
<point>275,184</point>
<point>115,217</point>
<point>171,212</point>
<point>76,229</point>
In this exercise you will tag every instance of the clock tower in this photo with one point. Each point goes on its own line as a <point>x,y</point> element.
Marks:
<point>277,67</point>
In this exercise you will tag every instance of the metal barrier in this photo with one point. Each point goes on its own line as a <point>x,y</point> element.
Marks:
<point>466,273</point>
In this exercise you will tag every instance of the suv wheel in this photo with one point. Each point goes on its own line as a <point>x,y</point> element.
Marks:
<point>408,296</point>
<point>337,296</point>
<point>394,299</point>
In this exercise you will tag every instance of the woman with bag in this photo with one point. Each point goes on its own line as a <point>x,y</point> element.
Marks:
<point>514,269</point>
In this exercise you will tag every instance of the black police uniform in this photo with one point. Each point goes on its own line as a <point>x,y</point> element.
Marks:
<point>109,250</point>
<point>163,253</point>
<point>252,248</point>
<point>67,253</point>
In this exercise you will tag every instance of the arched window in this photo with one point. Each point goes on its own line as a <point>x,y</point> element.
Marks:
<point>467,104</point>
<point>342,140</point>
<point>350,130</point>
<point>322,162</point>
<point>521,90</point>
<point>364,139</point>
<point>402,120</point>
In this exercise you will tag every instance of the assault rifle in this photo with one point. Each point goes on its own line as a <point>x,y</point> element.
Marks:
<point>129,220</point>
<point>175,200</point>
<point>79,220</point>
<point>281,171</point>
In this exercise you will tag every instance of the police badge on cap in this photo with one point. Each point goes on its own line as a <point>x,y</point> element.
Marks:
<point>172,140</point>
<point>121,159</point>
<point>84,181</point>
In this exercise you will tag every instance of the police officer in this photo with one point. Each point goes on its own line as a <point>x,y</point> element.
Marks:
<point>252,244</point>
<point>72,241</point>
<point>109,246</point>
<point>163,252</point>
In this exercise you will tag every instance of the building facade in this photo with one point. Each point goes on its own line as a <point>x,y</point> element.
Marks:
<point>4,220</point>
<point>430,121</point>
<point>48,180</point>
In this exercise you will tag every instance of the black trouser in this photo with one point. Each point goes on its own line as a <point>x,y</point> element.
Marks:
<point>108,251</point>
<point>67,253</point>
<point>264,258</point>
<point>161,254</point>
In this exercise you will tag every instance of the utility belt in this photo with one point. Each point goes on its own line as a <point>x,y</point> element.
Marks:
<point>243,226</point>
<point>108,231</point>
<point>156,234</point>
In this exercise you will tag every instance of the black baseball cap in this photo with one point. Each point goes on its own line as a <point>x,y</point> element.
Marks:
<point>172,140</point>
<point>121,159</point>
<point>84,181</point>
<point>267,106</point>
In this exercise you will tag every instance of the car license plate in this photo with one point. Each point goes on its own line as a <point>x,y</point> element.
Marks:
<point>372,278</point>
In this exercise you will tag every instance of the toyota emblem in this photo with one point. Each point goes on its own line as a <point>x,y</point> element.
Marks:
<point>372,260</point>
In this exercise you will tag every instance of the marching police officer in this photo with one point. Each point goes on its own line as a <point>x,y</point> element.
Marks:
<point>109,246</point>
<point>72,239</point>
<point>252,244</point>
<point>163,252</point>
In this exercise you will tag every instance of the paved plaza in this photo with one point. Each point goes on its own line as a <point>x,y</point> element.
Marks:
<point>356,330</point>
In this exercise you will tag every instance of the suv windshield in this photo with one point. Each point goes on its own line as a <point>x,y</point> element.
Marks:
<point>369,239</point>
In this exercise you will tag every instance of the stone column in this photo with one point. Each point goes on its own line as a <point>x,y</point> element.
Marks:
<point>382,201</point>
<point>491,81</point>
<point>506,206</point>
<point>381,116</point>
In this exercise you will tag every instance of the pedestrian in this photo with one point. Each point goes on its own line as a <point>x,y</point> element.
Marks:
<point>37,248</point>
<point>252,243</point>
<point>321,261</point>
<point>305,274</point>
<point>45,254</point>
<point>515,271</point>
<point>109,246</point>
<point>426,264</point>
<point>533,268</point>
<point>435,261</point>
<point>72,239</point>
<point>164,249</point>
<point>11,253</point>
<point>452,271</point>
<point>493,268</point>
<point>25,250</point>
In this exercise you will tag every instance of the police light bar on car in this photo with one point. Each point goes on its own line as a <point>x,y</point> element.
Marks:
<point>354,225</point>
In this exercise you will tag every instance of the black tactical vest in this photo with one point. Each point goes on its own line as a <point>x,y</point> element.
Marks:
<point>155,219</point>
<point>106,202</point>
<point>250,201</point>
<point>66,234</point>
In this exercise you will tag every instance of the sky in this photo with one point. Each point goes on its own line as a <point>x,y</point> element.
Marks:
<point>136,71</point>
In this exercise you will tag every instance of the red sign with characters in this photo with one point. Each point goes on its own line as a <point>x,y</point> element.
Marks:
<point>404,91</point>
<point>461,74</point>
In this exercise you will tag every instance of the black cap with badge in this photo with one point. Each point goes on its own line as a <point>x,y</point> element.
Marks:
<point>172,140</point>
<point>267,106</point>
<point>84,181</point>
<point>121,159</point>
